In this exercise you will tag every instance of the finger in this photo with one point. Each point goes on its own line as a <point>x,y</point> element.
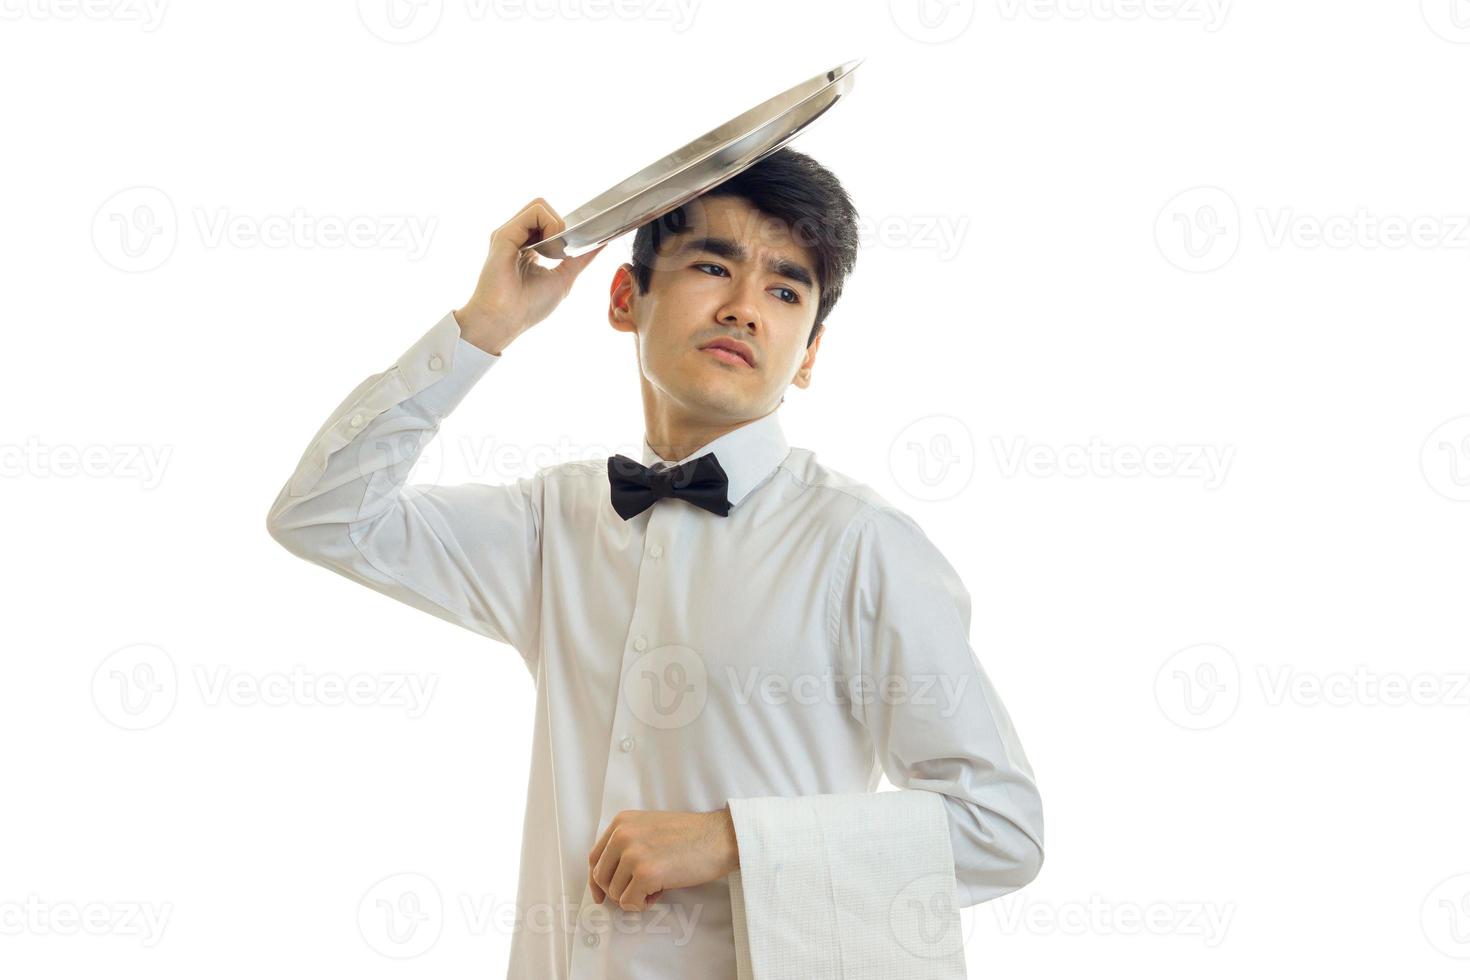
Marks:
<point>637,897</point>
<point>535,222</point>
<point>597,893</point>
<point>619,888</point>
<point>538,213</point>
<point>597,848</point>
<point>606,867</point>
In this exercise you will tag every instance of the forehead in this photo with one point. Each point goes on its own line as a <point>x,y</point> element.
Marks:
<point>735,218</point>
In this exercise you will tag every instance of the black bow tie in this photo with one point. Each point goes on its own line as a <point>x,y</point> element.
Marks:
<point>635,487</point>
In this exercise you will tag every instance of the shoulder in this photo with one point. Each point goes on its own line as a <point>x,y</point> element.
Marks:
<point>576,470</point>
<point>853,507</point>
<point>570,474</point>
<point>846,495</point>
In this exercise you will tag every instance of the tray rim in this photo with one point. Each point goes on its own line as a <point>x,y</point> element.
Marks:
<point>828,86</point>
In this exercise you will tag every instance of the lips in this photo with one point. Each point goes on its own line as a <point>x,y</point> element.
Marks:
<point>733,350</point>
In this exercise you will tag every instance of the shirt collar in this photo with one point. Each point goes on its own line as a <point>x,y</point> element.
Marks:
<point>747,454</point>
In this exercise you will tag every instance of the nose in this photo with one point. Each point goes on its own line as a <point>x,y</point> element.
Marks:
<point>740,310</point>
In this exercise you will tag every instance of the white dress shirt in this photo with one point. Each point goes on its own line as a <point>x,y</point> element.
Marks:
<point>778,659</point>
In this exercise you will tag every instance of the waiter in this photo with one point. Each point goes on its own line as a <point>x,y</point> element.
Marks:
<point>730,641</point>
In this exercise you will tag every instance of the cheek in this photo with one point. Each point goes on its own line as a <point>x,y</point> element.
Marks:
<point>681,292</point>
<point>665,349</point>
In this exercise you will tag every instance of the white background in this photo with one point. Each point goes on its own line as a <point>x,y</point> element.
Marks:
<point>1096,232</point>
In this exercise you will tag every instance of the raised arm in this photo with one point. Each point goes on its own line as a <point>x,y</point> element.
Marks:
<point>469,553</point>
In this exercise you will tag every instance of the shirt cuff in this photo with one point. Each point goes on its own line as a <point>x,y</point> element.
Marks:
<point>857,885</point>
<point>441,367</point>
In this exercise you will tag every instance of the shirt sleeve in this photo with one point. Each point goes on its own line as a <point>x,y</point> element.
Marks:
<point>877,878</point>
<point>469,553</point>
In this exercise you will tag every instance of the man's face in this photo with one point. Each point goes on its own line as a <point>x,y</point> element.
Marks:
<point>733,274</point>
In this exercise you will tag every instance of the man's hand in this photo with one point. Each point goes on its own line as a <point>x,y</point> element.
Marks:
<point>515,291</point>
<point>643,852</point>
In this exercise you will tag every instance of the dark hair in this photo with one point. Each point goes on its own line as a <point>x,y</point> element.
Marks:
<point>794,188</point>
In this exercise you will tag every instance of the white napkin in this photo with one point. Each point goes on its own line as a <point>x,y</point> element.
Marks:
<point>845,886</point>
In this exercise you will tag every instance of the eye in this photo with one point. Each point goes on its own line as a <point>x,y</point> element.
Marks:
<point>795,297</point>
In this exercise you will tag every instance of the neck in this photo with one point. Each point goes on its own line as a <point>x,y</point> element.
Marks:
<point>673,436</point>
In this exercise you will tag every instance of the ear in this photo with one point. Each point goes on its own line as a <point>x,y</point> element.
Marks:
<point>620,299</point>
<point>804,373</point>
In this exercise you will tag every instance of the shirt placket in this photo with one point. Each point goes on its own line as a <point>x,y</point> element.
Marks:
<point>597,923</point>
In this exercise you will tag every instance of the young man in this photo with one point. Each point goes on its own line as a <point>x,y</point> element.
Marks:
<point>730,641</point>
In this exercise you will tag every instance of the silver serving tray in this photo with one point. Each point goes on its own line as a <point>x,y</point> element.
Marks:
<point>696,167</point>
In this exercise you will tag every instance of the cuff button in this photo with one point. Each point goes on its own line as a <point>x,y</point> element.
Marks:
<point>436,363</point>
<point>355,421</point>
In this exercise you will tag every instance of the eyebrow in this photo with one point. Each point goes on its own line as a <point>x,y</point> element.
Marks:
<point>725,248</point>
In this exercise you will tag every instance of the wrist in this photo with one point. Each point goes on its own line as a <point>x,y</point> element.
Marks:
<point>490,335</point>
<point>730,843</point>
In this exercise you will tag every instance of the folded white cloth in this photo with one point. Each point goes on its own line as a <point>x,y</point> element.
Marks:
<point>845,886</point>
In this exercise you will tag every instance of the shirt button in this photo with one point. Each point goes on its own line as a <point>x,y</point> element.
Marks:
<point>436,362</point>
<point>590,939</point>
<point>626,744</point>
<point>640,643</point>
<point>355,421</point>
<point>656,551</point>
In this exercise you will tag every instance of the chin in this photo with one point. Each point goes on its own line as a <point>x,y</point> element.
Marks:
<point>719,398</point>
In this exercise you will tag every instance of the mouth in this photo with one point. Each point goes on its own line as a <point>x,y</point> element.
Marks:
<point>731,352</point>
<point>719,353</point>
